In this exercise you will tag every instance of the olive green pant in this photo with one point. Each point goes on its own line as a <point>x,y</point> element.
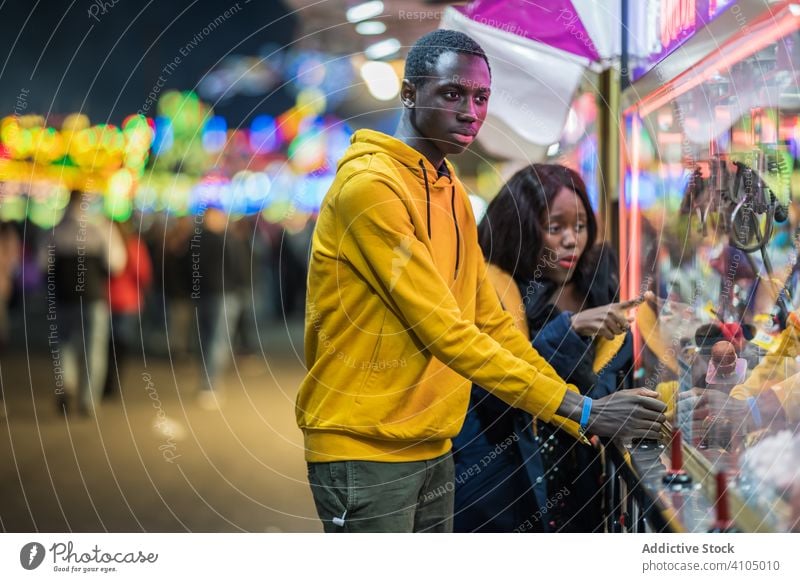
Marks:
<point>366,496</point>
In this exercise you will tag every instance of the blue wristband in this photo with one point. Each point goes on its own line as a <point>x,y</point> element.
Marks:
<point>585,412</point>
<point>754,411</point>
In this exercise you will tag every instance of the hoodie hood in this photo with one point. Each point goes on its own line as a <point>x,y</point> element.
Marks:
<point>365,142</point>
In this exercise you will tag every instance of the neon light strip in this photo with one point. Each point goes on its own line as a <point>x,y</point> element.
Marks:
<point>760,36</point>
<point>624,247</point>
<point>635,266</point>
<point>635,251</point>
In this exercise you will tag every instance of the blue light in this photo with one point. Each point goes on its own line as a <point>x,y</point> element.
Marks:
<point>164,136</point>
<point>264,135</point>
<point>215,134</point>
<point>310,190</point>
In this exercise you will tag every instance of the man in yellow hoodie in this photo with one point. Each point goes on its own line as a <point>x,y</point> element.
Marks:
<point>401,318</point>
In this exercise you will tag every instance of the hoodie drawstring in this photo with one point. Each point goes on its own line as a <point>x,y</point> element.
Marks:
<point>452,206</point>
<point>427,194</point>
<point>458,234</point>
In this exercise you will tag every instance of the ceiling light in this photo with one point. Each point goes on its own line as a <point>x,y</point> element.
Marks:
<point>370,27</point>
<point>364,11</point>
<point>382,49</point>
<point>381,80</point>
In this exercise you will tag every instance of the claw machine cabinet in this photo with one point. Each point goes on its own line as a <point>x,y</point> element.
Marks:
<point>709,157</point>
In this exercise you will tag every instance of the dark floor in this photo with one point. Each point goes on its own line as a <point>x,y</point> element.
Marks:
<point>155,460</point>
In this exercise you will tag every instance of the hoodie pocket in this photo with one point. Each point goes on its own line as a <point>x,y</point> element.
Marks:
<point>371,367</point>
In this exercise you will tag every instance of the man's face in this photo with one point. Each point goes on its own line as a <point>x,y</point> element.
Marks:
<point>451,106</point>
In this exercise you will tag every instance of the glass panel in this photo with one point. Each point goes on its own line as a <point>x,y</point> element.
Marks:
<point>709,224</point>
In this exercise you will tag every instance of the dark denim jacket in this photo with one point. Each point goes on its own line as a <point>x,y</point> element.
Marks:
<point>498,455</point>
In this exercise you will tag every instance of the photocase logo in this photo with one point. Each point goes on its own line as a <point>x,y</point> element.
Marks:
<point>31,555</point>
<point>402,254</point>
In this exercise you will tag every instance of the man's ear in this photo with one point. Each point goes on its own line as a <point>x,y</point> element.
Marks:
<point>408,94</point>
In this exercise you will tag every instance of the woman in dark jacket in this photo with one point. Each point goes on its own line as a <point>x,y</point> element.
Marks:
<point>512,473</point>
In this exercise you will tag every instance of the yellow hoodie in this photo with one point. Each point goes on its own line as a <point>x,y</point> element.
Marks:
<point>400,316</point>
<point>778,371</point>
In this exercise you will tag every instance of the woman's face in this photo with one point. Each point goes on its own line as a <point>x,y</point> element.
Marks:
<point>565,236</point>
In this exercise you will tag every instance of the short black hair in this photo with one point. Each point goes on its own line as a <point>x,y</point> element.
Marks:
<point>423,55</point>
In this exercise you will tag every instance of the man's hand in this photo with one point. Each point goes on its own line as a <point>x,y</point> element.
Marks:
<point>710,410</point>
<point>636,413</point>
<point>607,320</point>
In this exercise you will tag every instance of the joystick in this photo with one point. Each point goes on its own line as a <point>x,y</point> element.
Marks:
<point>675,476</point>
<point>723,522</point>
